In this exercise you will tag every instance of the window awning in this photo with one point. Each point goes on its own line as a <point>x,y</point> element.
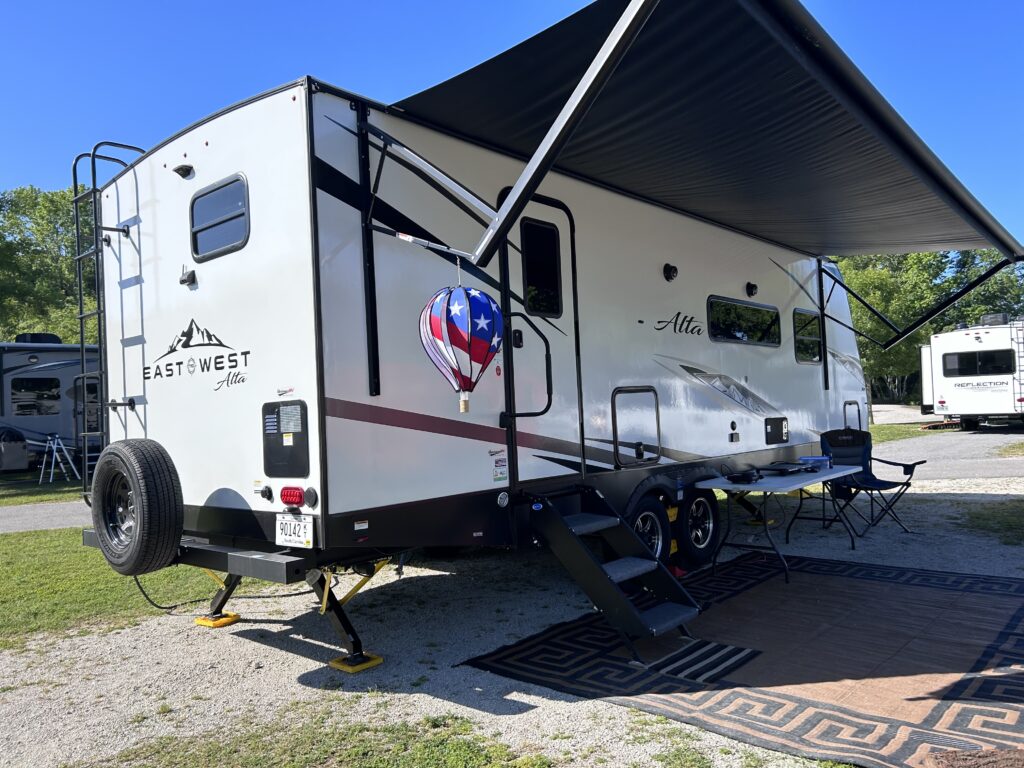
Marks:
<point>740,112</point>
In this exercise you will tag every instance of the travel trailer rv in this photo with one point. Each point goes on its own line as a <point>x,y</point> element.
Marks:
<point>41,394</point>
<point>972,373</point>
<point>648,302</point>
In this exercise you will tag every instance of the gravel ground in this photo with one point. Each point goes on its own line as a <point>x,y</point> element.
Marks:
<point>82,697</point>
<point>38,517</point>
<point>958,454</point>
<point>898,414</point>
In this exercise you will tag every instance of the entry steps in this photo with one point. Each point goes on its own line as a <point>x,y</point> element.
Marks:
<point>612,583</point>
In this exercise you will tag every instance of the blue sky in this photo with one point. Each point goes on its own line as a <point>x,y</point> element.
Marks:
<point>75,73</point>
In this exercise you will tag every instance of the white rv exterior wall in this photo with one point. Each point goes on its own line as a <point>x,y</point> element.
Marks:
<point>258,301</point>
<point>622,245</point>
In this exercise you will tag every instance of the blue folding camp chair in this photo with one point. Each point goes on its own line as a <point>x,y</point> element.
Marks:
<point>853,447</point>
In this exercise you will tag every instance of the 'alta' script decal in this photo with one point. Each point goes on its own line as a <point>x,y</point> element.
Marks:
<point>680,323</point>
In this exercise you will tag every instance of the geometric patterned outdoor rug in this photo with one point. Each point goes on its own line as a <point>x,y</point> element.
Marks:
<point>862,664</point>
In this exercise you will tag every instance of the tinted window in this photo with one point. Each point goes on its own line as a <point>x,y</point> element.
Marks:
<point>220,220</point>
<point>807,336</point>
<point>35,397</point>
<point>542,271</point>
<point>743,323</point>
<point>995,362</point>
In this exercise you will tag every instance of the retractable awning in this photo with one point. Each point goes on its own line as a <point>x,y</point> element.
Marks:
<point>741,112</point>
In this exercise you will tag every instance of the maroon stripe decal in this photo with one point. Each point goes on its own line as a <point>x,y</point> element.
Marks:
<point>393,417</point>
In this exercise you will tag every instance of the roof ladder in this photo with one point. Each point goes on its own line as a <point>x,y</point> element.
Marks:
<point>90,237</point>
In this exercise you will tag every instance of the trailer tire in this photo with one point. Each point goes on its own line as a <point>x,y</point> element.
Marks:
<point>649,521</point>
<point>697,528</point>
<point>137,508</point>
<point>969,424</point>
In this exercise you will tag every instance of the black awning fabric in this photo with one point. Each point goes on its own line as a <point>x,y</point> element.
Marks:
<point>741,112</point>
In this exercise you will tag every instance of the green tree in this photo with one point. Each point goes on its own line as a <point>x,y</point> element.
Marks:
<point>37,266</point>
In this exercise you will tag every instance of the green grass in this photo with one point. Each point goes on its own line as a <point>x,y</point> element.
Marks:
<point>683,757</point>
<point>1012,450</point>
<point>305,742</point>
<point>24,488</point>
<point>1003,519</point>
<point>883,433</point>
<point>49,582</point>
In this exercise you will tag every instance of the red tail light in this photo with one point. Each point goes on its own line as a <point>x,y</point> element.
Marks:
<point>942,402</point>
<point>293,497</point>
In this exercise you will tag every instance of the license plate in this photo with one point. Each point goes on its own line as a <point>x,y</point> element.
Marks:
<point>295,531</point>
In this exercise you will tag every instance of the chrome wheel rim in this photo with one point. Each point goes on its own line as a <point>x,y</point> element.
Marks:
<point>648,528</point>
<point>119,511</point>
<point>701,523</point>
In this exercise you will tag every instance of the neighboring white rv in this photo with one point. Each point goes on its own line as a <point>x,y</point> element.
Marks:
<point>972,373</point>
<point>40,393</point>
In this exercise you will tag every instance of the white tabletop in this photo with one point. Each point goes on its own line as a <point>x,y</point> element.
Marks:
<point>773,483</point>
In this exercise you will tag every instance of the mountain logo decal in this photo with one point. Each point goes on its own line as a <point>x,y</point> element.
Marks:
<point>194,336</point>
<point>204,358</point>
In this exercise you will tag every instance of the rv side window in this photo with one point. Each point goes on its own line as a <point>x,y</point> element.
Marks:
<point>994,362</point>
<point>542,269</point>
<point>742,322</point>
<point>220,219</point>
<point>807,336</point>
<point>35,397</point>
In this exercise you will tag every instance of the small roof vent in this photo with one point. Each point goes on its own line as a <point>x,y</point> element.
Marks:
<point>37,338</point>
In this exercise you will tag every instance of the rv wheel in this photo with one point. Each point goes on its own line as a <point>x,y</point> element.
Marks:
<point>650,523</point>
<point>697,528</point>
<point>968,424</point>
<point>137,509</point>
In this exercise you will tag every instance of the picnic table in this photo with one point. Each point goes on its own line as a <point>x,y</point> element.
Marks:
<point>770,486</point>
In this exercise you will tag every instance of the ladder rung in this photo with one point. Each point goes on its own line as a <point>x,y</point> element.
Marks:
<point>90,254</point>
<point>91,313</point>
<point>83,195</point>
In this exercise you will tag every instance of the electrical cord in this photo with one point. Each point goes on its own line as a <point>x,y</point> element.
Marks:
<point>175,606</point>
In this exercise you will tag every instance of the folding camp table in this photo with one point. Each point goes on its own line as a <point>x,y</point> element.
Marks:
<point>768,486</point>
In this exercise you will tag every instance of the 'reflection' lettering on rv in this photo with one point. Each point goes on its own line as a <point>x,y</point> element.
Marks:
<point>229,367</point>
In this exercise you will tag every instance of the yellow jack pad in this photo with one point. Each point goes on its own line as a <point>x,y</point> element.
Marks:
<point>353,664</point>
<point>226,619</point>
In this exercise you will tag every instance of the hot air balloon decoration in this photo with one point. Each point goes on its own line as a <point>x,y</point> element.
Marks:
<point>461,330</point>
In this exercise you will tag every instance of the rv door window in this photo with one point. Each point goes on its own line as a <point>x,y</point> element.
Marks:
<point>741,322</point>
<point>542,269</point>
<point>220,219</point>
<point>807,336</point>
<point>993,362</point>
<point>35,397</point>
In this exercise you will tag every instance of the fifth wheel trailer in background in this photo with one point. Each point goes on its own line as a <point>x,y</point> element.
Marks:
<point>972,373</point>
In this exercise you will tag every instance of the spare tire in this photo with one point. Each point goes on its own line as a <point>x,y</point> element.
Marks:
<point>137,509</point>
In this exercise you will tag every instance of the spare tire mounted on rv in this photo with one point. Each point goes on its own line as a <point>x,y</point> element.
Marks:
<point>137,507</point>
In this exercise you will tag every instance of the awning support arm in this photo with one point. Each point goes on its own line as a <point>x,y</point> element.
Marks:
<point>615,47</point>
<point>938,309</point>
<point>892,326</point>
<point>947,302</point>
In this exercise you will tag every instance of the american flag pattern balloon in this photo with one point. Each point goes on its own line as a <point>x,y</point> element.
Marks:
<point>461,331</point>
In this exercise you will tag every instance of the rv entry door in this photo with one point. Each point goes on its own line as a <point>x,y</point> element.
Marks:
<point>539,266</point>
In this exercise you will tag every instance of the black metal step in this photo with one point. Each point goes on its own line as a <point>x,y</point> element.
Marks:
<point>626,568</point>
<point>585,523</point>
<point>667,617</point>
